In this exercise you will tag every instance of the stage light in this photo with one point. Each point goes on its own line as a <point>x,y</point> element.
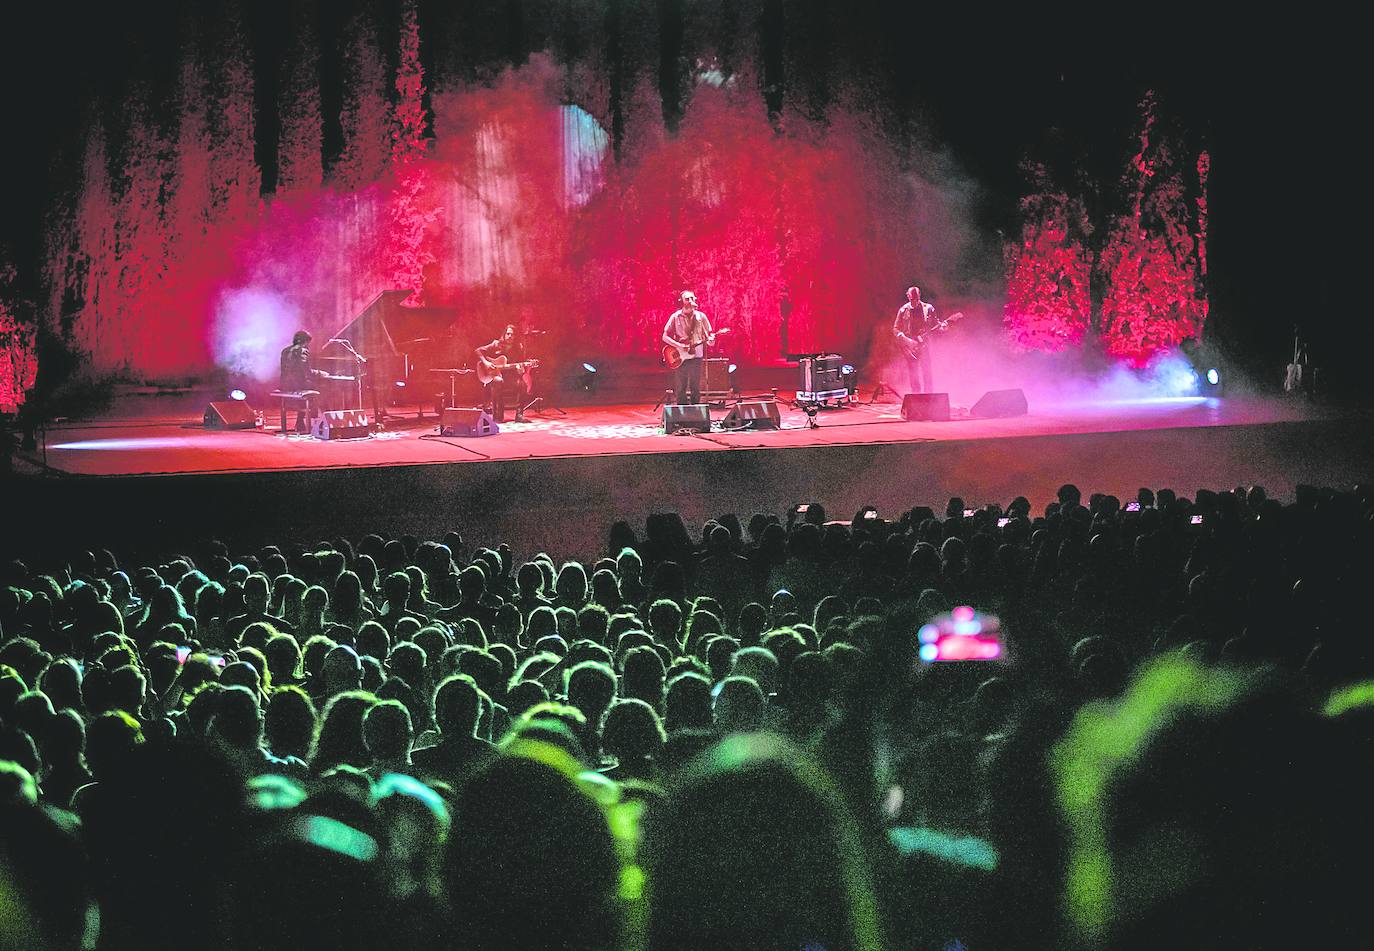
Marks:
<point>589,368</point>
<point>587,381</point>
<point>732,368</point>
<point>1213,377</point>
<point>237,394</point>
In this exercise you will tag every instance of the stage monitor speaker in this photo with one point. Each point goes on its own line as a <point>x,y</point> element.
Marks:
<point>695,417</point>
<point>467,421</point>
<point>926,406</point>
<point>230,414</point>
<point>997,403</point>
<point>342,424</point>
<point>715,375</point>
<point>753,414</point>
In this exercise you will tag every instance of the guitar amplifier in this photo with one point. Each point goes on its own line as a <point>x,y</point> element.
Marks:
<point>342,424</point>
<point>715,375</point>
<point>822,374</point>
<point>467,421</point>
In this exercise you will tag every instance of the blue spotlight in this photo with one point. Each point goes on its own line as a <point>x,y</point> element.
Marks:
<point>587,379</point>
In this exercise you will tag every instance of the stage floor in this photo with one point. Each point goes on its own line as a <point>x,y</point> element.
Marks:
<point>161,439</point>
<point>149,478</point>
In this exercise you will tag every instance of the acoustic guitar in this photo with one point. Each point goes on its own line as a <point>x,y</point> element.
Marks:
<point>490,371</point>
<point>673,356</point>
<point>915,345</point>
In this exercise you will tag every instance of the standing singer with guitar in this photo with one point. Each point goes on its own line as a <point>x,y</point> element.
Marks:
<point>687,334</point>
<point>501,361</point>
<point>915,323</point>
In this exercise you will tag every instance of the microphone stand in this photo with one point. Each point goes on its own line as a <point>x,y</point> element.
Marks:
<point>359,361</point>
<point>537,404</point>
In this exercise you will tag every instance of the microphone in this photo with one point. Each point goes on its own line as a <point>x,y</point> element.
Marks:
<point>356,355</point>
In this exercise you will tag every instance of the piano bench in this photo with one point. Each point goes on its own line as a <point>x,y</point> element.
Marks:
<point>294,399</point>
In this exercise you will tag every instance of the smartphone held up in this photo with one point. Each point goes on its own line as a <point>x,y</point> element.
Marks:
<point>962,634</point>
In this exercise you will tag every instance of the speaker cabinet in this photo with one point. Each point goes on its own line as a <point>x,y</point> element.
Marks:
<point>998,403</point>
<point>753,414</point>
<point>342,424</point>
<point>467,421</point>
<point>822,374</point>
<point>715,375</point>
<point>926,406</point>
<point>230,414</point>
<point>695,417</point>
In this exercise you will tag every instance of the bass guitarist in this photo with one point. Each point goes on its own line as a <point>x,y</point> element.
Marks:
<point>915,322</point>
<point>689,333</point>
<point>500,362</point>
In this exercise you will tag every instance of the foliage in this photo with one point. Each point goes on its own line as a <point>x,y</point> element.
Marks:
<point>407,251</point>
<point>1049,273</point>
<point>18,344</point>
<point>1151,264</point>
<point>300,164</point>
<point>1153,299</point>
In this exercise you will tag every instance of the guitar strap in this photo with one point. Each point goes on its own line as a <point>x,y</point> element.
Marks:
<point>690,327</point>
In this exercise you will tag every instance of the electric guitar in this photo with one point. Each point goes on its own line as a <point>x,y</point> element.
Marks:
<point>913,345</point>
<point>490,371</point>
<point>673,356</point>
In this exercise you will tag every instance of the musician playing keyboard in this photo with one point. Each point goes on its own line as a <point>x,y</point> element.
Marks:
<point>298,376</point>
<point>506,349</point>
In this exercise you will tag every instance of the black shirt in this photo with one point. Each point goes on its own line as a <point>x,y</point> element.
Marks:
<point>295,368</point>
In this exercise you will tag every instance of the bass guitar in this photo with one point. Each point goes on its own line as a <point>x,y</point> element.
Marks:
<point>914,345</point>
<point>490,371</point>
<point>673,356</point>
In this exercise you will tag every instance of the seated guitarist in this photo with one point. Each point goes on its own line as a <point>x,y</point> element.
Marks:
<point>689,330</point>
<point>511,347</point>
<point>915,320</point>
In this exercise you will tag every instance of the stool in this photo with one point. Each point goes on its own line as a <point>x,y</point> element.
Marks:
<point>294,399</point>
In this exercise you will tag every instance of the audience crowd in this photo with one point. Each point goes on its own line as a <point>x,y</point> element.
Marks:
<point>696,743</point>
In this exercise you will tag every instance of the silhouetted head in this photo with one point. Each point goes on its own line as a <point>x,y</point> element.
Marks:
<point>531,862</point>
<point>782,866</point>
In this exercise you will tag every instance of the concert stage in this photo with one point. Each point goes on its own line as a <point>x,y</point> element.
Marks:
<point>150,474</point>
